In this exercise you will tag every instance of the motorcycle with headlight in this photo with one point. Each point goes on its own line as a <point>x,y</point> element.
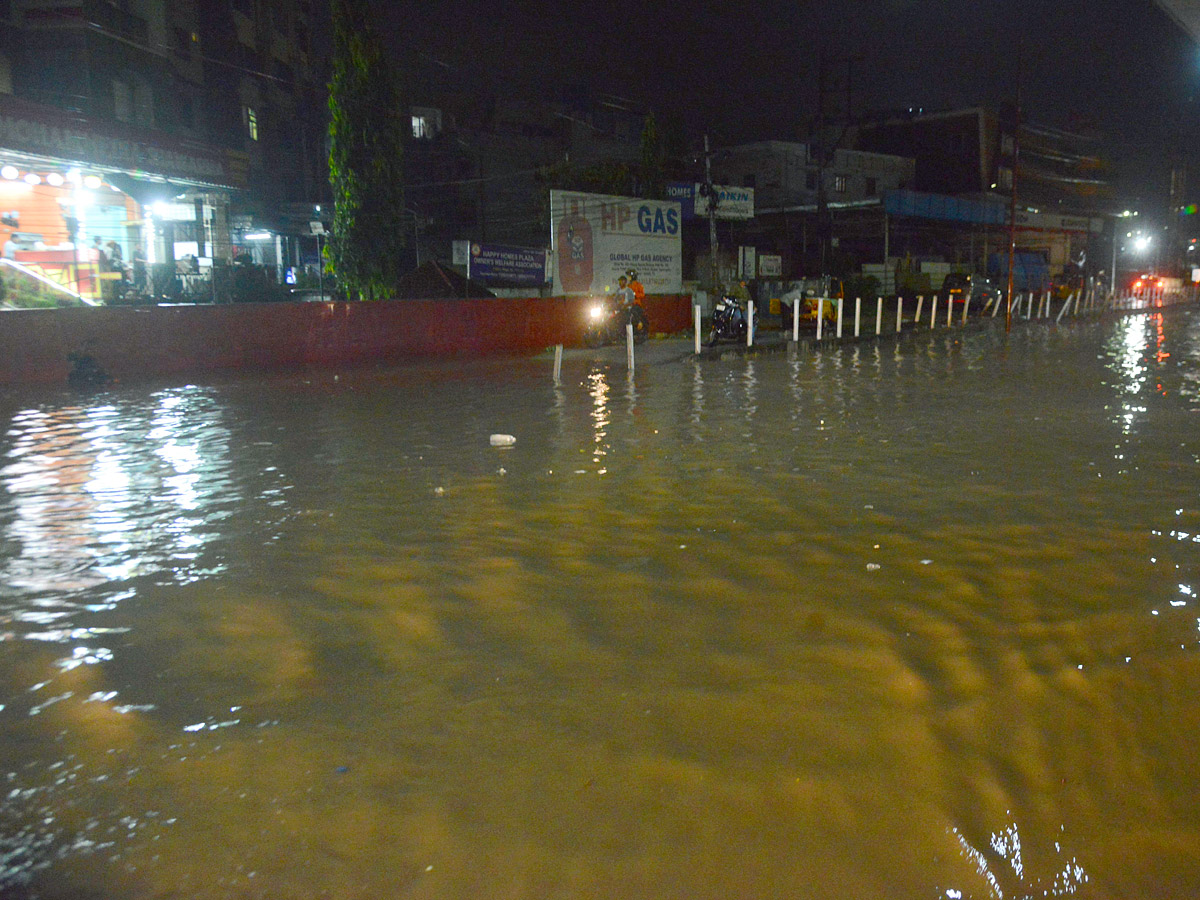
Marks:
<point>607,319</point>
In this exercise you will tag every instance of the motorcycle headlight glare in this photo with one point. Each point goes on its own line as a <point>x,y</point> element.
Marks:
<point>596,312</point>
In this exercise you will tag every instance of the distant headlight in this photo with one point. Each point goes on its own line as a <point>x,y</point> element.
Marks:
<point>596,312</point>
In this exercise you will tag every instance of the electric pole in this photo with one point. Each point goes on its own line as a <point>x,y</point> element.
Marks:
<point>712,216</point>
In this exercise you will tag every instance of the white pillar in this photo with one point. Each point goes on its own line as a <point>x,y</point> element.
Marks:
<point>629,344</point>
<point>820,315</point>
<point>933,313</point>
<point>696,319</point>
<point>750,323</point>
<point>878,315</point>
<point>899,313</point>
<point>857,314</point>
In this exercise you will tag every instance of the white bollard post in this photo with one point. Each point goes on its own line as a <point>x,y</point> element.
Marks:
<point>696,319</point>
<point>966,306</point>
<point>796,320</point>
<point>841,302</point>
<point>933,313</point>
<point>920,303</point>
<point>749,323</point>
<point>949,312</point>
<point>557,363</point>
<point>996,308</point>
<point>820,315</point>
<point>899,313</point>
<point>1029,307</point>
<point>878,316</point>
<point>857,314</point>
<point>629,344</point>
<point>1065,305</point>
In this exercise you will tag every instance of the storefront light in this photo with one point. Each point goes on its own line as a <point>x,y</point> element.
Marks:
<point>32,178</point>
<point>10,172</point>
<point>259,236</point>
<point>92,182</point>
<point>74,176</point>
<point>55,179</point>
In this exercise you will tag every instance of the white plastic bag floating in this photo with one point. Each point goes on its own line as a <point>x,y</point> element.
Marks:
<point>503,440</point>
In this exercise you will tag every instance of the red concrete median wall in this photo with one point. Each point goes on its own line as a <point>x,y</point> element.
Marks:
<point>131,342</point>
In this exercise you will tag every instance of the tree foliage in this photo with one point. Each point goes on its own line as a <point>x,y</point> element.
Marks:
<point>368,246</point>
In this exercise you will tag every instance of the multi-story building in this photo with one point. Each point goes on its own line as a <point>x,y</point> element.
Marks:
<point>812,208</point>
<point>481,169</point>
<point>177,128</point>
<point>965,164</point>
<point>785,174</point>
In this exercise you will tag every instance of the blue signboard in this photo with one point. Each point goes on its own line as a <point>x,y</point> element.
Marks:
<point>683,193</point>
<point>518,266</point>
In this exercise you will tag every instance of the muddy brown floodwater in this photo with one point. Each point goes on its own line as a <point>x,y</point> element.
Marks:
<point>889,621</point>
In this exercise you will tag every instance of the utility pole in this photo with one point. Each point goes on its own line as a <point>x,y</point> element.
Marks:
<point>823,233</point>
<point>712,216</point>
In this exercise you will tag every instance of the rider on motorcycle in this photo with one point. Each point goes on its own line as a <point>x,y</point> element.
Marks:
<point>639,292</point>
<point>625,294</point>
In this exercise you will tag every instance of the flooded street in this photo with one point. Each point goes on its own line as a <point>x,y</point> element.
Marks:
<point>911,620</point>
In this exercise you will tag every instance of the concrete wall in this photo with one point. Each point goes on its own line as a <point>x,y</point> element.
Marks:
<point>126,343</point>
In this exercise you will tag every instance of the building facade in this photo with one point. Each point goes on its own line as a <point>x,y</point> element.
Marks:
<point>169,129</point>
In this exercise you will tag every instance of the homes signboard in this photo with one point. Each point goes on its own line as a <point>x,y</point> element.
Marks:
<point>498,263</point>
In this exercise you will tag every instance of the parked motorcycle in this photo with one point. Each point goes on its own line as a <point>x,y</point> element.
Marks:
<point>607,321</point>
<point>729,321</point>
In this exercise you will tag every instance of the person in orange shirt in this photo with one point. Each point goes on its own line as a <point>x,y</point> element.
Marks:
<point>639,292</point>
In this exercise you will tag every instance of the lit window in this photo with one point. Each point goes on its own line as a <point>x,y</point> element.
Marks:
<point>252,123</point>
<point>839,184</point>
<point>426,123</point>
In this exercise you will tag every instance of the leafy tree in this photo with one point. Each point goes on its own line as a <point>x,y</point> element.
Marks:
<point>369,241</point>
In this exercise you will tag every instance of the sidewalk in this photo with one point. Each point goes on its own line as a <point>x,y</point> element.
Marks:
<point>677,348</point>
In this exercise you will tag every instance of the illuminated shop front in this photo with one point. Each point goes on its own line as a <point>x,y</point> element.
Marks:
<point>81,201</point>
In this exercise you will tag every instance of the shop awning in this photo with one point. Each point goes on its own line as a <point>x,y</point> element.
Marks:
<point>143,190</point>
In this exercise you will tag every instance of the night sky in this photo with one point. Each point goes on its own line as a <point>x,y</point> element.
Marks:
<point>1122,68</point>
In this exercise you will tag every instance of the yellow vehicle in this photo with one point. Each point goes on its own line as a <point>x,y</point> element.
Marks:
<point>830,290</point>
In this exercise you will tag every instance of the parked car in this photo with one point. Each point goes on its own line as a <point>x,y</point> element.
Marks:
<point>958,286</point>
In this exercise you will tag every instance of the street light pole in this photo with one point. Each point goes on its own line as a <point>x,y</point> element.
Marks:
<point>1113,275</point>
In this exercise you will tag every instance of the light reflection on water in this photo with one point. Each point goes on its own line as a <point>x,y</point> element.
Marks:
<point>899,620</point>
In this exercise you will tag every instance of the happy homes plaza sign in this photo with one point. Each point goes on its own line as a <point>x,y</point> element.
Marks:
<point>44,131</point>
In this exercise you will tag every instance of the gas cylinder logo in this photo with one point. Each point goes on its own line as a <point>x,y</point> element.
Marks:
<point>575,254</point>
